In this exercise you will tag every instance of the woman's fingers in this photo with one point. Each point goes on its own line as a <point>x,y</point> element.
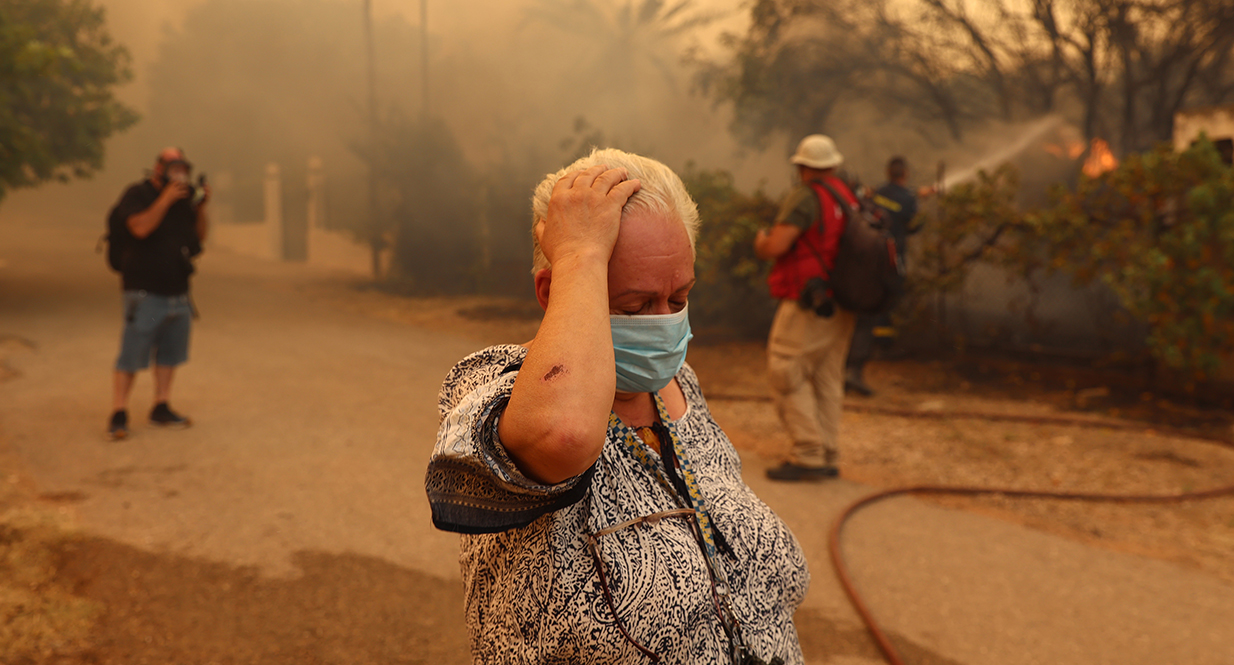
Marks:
<point>599,177</point>
<point>609,178</point>
<point>585,178</point>
<point>585,210</point>
<point>625,189</point>
<point>566,182</point>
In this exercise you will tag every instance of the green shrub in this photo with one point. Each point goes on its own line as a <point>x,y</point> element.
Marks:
<point>730,296</point>
<point>1159,232</point>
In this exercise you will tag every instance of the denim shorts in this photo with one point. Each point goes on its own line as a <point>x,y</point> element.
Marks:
<point>155,326</point>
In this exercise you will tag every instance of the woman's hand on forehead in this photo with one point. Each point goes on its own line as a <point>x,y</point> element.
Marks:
<point>584,213</point>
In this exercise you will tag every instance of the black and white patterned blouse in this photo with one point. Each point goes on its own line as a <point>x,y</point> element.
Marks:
<point>533,594</point>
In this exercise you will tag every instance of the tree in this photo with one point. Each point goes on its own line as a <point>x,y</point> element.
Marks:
<point>430,191</point>
<point>1120,68</point>
<point>801,62</point>
<point>1159,232</point>
<point>59,68</point>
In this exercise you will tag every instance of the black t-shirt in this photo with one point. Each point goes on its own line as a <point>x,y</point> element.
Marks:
<point>161,262</point>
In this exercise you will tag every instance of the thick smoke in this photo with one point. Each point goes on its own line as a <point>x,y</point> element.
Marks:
<point>506,77</point>
<point>521,85</point>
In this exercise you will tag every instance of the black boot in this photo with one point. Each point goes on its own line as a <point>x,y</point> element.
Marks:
<point>854,383</point>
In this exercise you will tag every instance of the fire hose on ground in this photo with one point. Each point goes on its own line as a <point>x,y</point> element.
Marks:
<point>837,555</point>
<point>888,651</point>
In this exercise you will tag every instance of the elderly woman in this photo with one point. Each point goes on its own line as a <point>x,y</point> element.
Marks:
<point>605,516</point>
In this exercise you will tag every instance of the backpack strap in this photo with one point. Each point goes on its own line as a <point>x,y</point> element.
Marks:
<point>849,213</point>
<point>809,245</point>
<point>840,200</point>
<point>822,217</point>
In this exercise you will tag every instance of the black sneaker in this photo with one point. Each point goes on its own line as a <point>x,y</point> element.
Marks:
<point>162,414</point>
<point>118,428</point>
<point>796,472</point>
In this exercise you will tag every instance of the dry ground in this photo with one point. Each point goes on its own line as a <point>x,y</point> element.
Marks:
<point>162,608</point>
<point>1153,447</point>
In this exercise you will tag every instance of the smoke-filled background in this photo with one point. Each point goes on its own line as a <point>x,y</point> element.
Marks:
<point>462,126</point>
<point>465,124</point>
<point>1067,340</point>
<point>431,167</point>
<point>508,86</point>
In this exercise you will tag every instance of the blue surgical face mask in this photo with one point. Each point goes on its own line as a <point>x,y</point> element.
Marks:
<point>649,349</point>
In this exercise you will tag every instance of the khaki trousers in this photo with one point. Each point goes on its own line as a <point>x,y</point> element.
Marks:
<point>805,363</point>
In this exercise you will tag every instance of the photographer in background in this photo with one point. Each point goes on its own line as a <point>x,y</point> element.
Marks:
<point>810,334</point>
<point>155,231</point>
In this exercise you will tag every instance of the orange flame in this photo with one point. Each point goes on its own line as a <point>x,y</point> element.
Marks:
<point>1100,159</point>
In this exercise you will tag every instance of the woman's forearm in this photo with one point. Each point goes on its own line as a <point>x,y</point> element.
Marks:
<point>557,419</point>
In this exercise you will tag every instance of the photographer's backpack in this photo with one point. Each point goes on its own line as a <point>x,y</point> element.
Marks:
<point>117,239</point>
<point>867,277</point>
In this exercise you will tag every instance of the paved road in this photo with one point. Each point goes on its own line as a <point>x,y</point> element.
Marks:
<point>312,427</point>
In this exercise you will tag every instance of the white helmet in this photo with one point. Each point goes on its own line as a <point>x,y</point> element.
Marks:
<point>818,152</point>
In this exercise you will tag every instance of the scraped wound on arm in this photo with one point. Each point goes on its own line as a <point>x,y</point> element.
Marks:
<point>555,372</point>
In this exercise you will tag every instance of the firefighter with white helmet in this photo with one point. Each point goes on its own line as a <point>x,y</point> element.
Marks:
<point>818,152</point>
<point>810,335</point>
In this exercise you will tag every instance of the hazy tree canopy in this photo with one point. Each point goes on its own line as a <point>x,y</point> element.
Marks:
<point>1120,69</point>
<point>638,31</point>
<point>59,68</point>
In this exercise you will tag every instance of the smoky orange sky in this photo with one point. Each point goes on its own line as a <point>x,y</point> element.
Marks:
<point>499,80</point>
<point>491,73</point>
<point>464,26</point>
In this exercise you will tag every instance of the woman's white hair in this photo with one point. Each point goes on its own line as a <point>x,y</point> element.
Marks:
<point>661,191</point>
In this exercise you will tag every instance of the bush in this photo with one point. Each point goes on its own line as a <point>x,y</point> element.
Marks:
<point>1158,231</point>
<point>973,223</point>
<point>429,204</point>
<point>730,296</point>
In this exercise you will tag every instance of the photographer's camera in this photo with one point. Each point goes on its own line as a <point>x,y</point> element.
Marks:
<point>196,193</point>
<point>816,297</point>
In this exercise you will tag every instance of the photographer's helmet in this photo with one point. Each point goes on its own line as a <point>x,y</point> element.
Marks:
<point>817,152</point>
